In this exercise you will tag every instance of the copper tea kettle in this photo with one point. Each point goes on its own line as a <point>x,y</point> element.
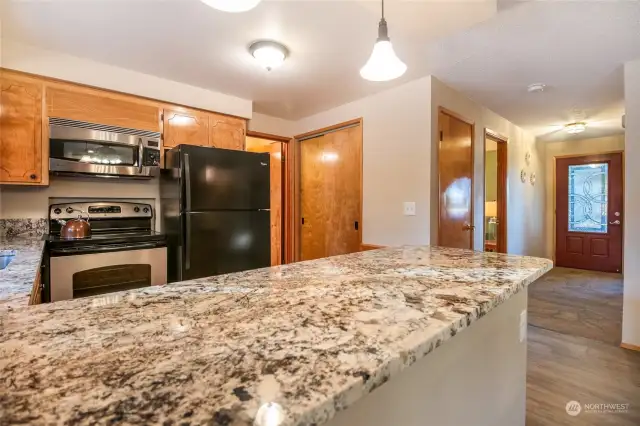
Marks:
<point>75,228</point>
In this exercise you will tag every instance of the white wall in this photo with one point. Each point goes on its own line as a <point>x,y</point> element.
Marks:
<point>631,305</point>
<point>35,60</point>
<point>525,205</point>
<point>562,149</point>
<point>396,160</point>
<point>19,202</point>
<point>273,125</point>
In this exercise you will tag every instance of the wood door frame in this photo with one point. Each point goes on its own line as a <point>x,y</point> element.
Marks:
<point>287,190</point>
<point>472,123</point>
<point>292,248</point>
<point>502,174</point>
<point>555,184</point>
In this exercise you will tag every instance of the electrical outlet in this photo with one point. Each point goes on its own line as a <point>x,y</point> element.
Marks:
<point>523,326</point>
<point>409,208</point>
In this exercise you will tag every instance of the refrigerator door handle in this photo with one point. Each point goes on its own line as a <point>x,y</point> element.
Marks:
<point>187,243</point>
<point>187,181</point>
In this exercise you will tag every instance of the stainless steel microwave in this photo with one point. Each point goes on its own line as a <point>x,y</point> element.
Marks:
<point>80,148</point>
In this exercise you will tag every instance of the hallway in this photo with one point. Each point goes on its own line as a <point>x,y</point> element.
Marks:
<point>573,354</point>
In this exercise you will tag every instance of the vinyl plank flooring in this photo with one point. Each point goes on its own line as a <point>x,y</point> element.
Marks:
<point>575,321</point>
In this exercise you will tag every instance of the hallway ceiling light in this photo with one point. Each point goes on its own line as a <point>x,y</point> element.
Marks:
<point>383,65</point>
<point>574,128</point>
<point>536,87</point>
<point>269,54</point>
<point>232,5</point>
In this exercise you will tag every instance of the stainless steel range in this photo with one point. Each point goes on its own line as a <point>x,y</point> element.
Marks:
<point>122,252</point>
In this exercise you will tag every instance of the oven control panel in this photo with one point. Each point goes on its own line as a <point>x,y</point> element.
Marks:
<point>99,209</point>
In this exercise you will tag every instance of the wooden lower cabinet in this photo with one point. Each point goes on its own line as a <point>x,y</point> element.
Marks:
<point>227,132</point>
<point>22,145</point>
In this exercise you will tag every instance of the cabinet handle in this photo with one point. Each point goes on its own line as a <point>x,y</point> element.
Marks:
<point>33,176</point>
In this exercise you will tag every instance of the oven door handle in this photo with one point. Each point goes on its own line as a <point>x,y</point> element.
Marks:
<point>106,248</point>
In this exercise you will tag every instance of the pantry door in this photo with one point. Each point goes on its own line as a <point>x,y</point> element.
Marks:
<point>589,208</point>
<point>331,193</point>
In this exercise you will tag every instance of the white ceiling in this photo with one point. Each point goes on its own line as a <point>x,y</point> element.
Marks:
<point>187,41</point>
<point>576,48</point>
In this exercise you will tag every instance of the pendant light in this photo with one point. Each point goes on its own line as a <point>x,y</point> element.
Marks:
<point>383,65</point>
<point>232,5</point>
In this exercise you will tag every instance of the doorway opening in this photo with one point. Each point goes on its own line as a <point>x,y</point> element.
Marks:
<point>277,147</point>
<point>495,192</point>
<point>455,172</point>
<point>589,208</point>
<point>328,191</point>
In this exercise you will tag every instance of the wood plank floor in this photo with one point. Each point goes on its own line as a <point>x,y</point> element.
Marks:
<point>573,354</point>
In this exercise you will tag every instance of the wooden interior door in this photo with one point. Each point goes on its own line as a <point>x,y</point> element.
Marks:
<point>21,142</point>
<point>589,208</point>
<point>276,189</point>
<point>330,194</point>
<point>455,168</point>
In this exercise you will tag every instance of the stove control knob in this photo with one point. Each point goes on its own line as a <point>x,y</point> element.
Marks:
<point>136,209</point>
<point>69,210</point>
<point>146,210</point>
<point>57,210</point>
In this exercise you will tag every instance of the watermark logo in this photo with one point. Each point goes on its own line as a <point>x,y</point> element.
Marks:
<point>573,408</point>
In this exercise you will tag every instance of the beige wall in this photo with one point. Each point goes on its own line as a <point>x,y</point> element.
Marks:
<point>396,160</point>
<point>273,125</point>
<point>566,148</point>
<point>525,205</point>
<point>22,57</point>
<point>631,306</point>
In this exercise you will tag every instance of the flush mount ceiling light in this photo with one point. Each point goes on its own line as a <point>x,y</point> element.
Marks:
<point>574,128</point>
<point>232,5</point>
<point>269,54</point>
<point>383,65</point>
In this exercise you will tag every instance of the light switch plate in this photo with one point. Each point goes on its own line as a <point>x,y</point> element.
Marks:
<point>409,208</point>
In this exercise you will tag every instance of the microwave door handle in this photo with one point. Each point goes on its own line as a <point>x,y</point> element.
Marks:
<point>140,156</point>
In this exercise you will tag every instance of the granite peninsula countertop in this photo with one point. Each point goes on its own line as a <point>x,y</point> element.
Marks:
<point>16,280</point>
<point>310,338</point>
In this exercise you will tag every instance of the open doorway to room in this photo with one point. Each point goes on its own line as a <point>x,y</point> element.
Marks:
<point>276,146</point>
<point>495,192</point>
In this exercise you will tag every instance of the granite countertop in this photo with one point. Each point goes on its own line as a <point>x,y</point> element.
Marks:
<point>16,280</point>
<point>297,342</point>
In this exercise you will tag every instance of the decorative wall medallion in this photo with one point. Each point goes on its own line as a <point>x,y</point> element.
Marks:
<point>527,158</point>
<point>523,176</point>
<point>532,178</point>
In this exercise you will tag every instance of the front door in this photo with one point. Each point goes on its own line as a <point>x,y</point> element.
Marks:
<point>455,167</point>
<point>589,211</point>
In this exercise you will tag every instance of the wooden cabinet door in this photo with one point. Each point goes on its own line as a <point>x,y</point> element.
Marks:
<point>185,127</point>
<point>21,130</point>
<point>102,107</point>
<point>227,132</point>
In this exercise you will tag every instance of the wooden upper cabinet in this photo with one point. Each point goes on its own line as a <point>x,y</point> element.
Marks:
<point>101,107</point>
<point>21,124</point>
<point>227,132</point>
<point>185,126</point>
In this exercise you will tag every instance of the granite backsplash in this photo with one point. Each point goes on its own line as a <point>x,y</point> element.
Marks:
<point>23,227</point>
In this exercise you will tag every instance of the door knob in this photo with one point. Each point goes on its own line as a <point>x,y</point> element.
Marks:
<point>468,227</point>
<point>615,222</point>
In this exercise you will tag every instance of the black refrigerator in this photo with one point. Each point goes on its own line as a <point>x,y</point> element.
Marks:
<point>215,211</point>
